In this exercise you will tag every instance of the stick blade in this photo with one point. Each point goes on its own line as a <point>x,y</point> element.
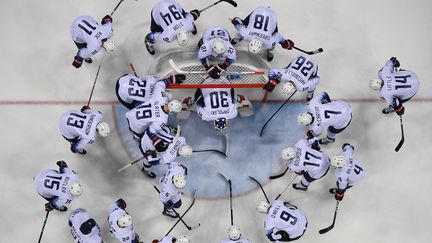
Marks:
<point>398,147</point>
<point>231,2</point>
<point>325,230</point>
<point>224,176</point>
<point>278,175</point>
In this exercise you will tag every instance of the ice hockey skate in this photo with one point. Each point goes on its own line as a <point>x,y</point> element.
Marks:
<point>326,140</point>
<point>170,213</point>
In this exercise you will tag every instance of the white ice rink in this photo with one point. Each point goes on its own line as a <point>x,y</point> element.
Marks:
<point>39,83</point>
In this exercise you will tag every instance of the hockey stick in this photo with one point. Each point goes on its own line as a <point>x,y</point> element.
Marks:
<point>226,143</point>
<point>280,194</point>
<point>230,190</point>
<point>133,69</point>
<point>403,136</point>
<point>181,216</point>
<point>43,227</point>
<point>185,224</point>
<point>227,1</point>
<point>178,70</point>
<point>265,124</point>
<point>262,189</point>
<point>319,50</point>
<point>210,150</point>
<point>325,230</point>
<point>279,175</point>
<point>128,165</point>
<point>116,7</point>
<point>94,83</point>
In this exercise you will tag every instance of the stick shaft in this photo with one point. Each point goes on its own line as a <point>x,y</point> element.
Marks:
<point>262,189</point>
<point>401,142</point>
<point>280,107</point>
<point>43,227</point>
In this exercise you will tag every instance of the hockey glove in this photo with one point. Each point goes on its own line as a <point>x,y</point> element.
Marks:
<point>339,195</point>
<point>176,79</point>
<point>270,236</point>
<point>61,164</point>
<point>106,19</point>
<point>400,109</point>
<point>77,61</point>
<point>195,13</point>
<point>215,72</point>
<point>49,207</point>
<point>287,44</point>
<point>121,203</point>
<point>85,108</point>
<point>270,85</point>
<point>284,235</point>
<point>325,98</point>
<point>395,62</point>
<point>309,134</point>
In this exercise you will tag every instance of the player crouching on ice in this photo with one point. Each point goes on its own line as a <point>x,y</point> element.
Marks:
<point>349,171</point>
<point>171,185</point>
<point>260,29</point>
<point>170,21</point>
<point>120,223</point>
<point>217,104</point>
<point>306,160</point>
<point>284,221</point>
<point>215,46</point>
<point>395,86</point>
<point>299,75</point>
<point>161,149</point>
<point>80,128</point>
<point>90,37</point>
<point>58,187</point>
<point>322,113</point>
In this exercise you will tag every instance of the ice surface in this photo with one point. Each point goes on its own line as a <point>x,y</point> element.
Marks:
<point>39,84</point>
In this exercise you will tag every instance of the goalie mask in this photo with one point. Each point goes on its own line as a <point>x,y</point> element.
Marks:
<point>220,124</point>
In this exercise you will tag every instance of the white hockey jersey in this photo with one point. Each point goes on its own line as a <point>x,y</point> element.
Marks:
<point>127,234</point>
<point>285,217</point>
<point>211,35</point>
<point>309,160</point>
<point>262,25</point>
<point>171,17</point>
<point>167,189</point>
<point>85,29</point>
<point>131,88</point>
<point>82,125</point>
<point>241,240</point>
<point>76,218</point>
<point>302,72</point>
<point>402,84</point>
<point>219,102</point>
<point>351,173</point>
<point>50,183</point>
<point>165,157</point>
<point>149,114</point>
<point>336,114</point>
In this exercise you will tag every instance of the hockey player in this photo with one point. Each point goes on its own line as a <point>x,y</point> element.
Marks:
<point>395,86</point>
<point>214,44</point>
<point>58,187</point>
<point>170,239</point>
<point>168,152</point>
<point>170,188</point>
<point>349,171</point>
<point>218,104</point>
<point>153,113</point>
<point>299,75</point>
<point>306,160</point>
<point>89,37</point>
<point>80,127</point>
<point>284,221</point>
<point>336,115</point>
<point>120,223</point>
<point>132,90</point>
<point>84,229</point>
<point>234,236</point>
<point>260,29</point>
<point>170,21</point>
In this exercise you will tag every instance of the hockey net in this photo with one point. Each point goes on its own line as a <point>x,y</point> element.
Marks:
<point>188,61</point>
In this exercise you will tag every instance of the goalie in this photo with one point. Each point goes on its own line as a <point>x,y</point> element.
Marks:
<point>216,104</point>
